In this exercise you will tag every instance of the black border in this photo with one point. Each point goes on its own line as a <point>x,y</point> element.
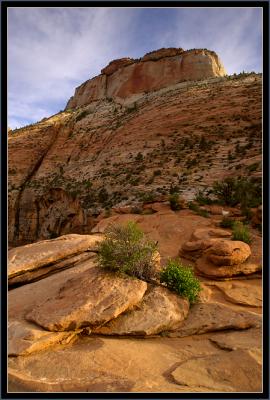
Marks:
<point>3,200</point>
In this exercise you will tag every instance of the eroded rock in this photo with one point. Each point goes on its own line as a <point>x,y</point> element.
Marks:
<point>25,338</point>
<point>159,310</point>
<point>208,269</point>
<point>211,317</point>
<point>33,256</point>
<point>228,252</point>
<point>236,371</point>
<point>91,299</point>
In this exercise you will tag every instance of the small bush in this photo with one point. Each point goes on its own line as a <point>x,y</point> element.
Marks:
<point>194,207</point>
<point>125,249</point>
<point>241,232</point>
<point>181,279</point>
<point>226,223</point>
<point>175,202</point>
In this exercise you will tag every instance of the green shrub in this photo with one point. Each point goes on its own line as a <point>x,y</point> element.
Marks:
<point>244,191</point>
<point>241,232</point>
<point>82,115</point>
<point>226,223</point>
<point>202,198</point>
<point>125,249</point>
<point>181,279</point>
<point>194,207</point>
<point>175,202</point>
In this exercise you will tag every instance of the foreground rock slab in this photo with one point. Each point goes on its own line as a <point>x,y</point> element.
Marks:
<point>241,293</point>
<point>91,299</point>
<point>159,310</point>
<point>245,340</point>
<point>210,317</point>
<point>25,338</point>
<point>42,272</point>
<point>236,371</point>
<point>32,256</point>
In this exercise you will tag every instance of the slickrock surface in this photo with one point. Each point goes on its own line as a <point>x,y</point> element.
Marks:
<point>43,271</point>
<point>25,338</point>
<point>140,150</point>
<point>210,317</point>
<point>236,371</point>
<point>241,293</point>
<point>159,310</point>
<point>33,256</point>
<point>247,340</point>
<point>168,228</point>
<point>91,299</point>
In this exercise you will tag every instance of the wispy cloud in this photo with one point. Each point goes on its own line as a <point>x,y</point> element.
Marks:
<point>53,50</point>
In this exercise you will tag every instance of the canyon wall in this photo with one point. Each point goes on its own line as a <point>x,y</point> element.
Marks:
<point>127,77</point>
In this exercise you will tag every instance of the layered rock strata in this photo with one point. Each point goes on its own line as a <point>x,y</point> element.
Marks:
<point>127,77</point>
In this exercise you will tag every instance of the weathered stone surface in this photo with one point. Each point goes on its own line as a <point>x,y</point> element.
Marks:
<point>25,338</point>
<point>42,272</point>
<point>32,256</point>
<point>236,371</point>
<point>105,364</point>
<point>246,340</point>
<point>242,293</point>
<point>209,233</point>
<point>201,240</point>
<point>24,299</point>
<point>91,299</point>
<point>158,54</point>
<point>208,269</point>
<point>116,64</point>
<point>125,77</point>
<point>92,90</point>
<point>166,227</point>
<point>159,310</point>
<point>228,252</point>
<point>210,317</point>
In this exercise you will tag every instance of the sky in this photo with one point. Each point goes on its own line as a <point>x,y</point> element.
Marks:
<point>51,51</point>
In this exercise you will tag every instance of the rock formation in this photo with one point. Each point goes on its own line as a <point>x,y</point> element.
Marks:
<point>127,77</point>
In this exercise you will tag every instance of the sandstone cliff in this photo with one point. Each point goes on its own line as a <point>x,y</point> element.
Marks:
<point>68,171</point>
<point>126,77</point>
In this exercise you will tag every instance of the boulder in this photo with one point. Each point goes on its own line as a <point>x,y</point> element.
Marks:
<point>228,252</point>
<point>201,240</point>
<point>210,270</point>
<point>25,338</point>
<point>33,256</point>
<point>236,371</point>
<point>91,299</point>
<point>158,311</point>
<point>211,317</point>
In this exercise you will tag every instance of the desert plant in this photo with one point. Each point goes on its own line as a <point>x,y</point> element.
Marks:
<point>226,222</point>
<point>194,207</point>
<point>241,232</point>
<point>125,249</point>
<point>181,279</point>
<point>175,202</point>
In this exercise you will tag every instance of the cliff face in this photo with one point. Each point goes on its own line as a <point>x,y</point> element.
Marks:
<point>66,171</point>
<point>126,77</point>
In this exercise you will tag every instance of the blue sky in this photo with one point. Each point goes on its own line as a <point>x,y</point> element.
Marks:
<point>53,50</point>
